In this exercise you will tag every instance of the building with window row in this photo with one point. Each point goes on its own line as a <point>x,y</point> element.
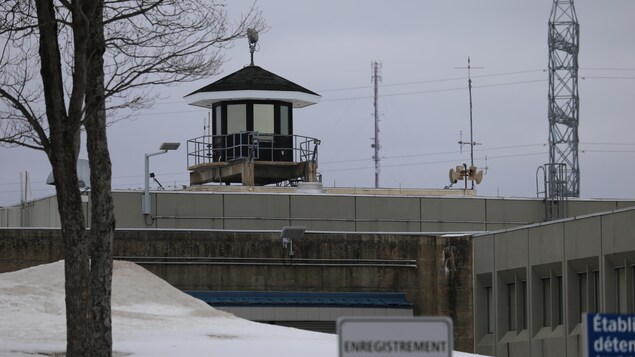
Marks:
<point>533,283</point>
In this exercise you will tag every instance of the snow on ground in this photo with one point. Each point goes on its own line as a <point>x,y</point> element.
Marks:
<point>150,318</point>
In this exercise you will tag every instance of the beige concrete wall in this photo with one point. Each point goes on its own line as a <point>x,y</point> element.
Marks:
<point>508,213</point>
<point>582,207</point>
<point>128,209</point>
<point>323,212</point>
<point>376,214</point>
<point>453,214</point>
<point>11,217</point>
<point>245,211</point>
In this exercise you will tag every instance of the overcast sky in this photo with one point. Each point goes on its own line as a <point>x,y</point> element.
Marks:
<point>327,46</point>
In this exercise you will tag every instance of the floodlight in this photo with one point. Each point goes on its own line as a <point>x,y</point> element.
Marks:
<point>145,203</point>
<point>169,146</point>
<point>292,232</point>
<point>288,234</point>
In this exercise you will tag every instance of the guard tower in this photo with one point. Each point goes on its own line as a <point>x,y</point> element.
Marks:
<point>252,139</point>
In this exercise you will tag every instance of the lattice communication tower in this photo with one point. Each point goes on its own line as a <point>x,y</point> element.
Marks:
<point>564,40</point>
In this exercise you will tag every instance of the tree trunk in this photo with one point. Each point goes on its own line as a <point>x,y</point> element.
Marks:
<point>62,151</point>
<point>76,265</point>
<point>102,216</point>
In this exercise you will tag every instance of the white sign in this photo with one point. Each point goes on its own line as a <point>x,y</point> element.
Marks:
<point>395,337</point>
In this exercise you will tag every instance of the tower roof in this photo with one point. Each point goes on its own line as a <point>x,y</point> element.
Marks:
<point>252,82</point>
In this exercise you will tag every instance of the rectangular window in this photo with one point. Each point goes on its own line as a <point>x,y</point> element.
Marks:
<point>546,302</point>
<point>633,291</point>
<point>523,304</point>
<point>621,293</point>
<point>217,121</point>
<point>560,300</point>
<point>596,291</point>
<point>583,291</point>
<point>236,118</point>
<point>263,118</point>
<point>490,309</point>
<point>284,120</point>
<point>511,305</point>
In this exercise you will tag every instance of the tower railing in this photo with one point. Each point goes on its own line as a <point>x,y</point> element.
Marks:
<point>554,190</point>
<point>251,145</point>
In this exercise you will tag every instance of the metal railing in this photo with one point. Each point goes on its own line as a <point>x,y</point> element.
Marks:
<point>251,145</point>
<point>554,189</point>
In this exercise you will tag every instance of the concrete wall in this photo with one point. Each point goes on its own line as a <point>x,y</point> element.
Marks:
<point>23,248</point>
<point>435,272</point>
<point>11,217</point>
<point>318,212</point>
<point>565,268</point>
<point>41,213</point>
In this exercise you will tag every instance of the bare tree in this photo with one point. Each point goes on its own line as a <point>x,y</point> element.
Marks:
<point>65,66</point>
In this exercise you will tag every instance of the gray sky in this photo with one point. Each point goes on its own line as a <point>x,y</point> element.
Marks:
<point>327,46</point>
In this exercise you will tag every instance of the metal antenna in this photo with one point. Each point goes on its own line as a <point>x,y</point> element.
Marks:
<point>564,39</point>
<point>376,78</point>
<point>469,87</point>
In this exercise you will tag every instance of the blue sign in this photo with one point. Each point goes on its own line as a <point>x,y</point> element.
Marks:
<point>609,335</point>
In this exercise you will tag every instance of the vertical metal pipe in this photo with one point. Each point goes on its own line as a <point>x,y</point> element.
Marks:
<point>146,190</point>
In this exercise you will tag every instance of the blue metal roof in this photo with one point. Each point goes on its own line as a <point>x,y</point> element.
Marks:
<point>313,299</point>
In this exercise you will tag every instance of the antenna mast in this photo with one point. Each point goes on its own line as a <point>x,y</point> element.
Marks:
<point>564,39</point>
<point>469,87</point>
<point>376,78</point>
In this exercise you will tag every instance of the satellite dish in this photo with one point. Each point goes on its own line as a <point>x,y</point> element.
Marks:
<point>83,174</point>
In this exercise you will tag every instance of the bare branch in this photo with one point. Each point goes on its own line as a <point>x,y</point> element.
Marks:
<point>149,43</point>
<point>33,121</point>
<point>162,42</point>
<point>130,12</point>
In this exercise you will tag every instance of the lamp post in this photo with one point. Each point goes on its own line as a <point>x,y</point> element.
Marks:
<point>145,203</point>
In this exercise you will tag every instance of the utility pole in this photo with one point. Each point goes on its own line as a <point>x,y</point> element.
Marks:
<point>564,40</point>
<point>376,78</point>
<point>469,88</point>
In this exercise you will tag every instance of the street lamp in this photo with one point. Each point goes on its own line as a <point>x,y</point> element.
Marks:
<point>145,203</point>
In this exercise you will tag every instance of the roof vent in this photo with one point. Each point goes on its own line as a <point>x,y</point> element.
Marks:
<point>310,187</point>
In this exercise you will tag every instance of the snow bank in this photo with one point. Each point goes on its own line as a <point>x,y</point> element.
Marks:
<point>150,318</point>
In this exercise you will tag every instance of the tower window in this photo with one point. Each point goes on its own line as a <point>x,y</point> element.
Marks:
<point>264,118</point>
<point>258,116</point>
<point>236,118</point>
